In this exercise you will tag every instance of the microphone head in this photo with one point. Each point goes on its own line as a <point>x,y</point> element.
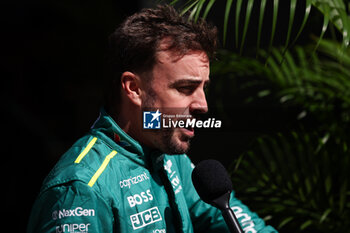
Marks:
<point>211,180</point>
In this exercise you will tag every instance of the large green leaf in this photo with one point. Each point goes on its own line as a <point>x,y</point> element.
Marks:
<point>334,11</point>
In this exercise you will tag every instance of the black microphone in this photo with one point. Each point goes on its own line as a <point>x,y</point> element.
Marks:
<point>214,186</point>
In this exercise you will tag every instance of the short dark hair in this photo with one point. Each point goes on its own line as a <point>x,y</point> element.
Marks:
<point>134,44</point>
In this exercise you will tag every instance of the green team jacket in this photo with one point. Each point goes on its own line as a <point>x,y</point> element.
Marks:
<point>108,182</point>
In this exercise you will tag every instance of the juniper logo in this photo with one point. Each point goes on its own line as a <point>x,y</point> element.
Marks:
<point>158,120</point>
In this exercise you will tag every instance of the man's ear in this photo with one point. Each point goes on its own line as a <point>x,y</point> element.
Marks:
<point>131,86</point>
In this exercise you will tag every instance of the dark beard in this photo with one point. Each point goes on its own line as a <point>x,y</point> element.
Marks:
<point>171,147</point>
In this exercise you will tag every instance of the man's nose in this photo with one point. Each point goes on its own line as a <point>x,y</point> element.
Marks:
<point>199,104</point>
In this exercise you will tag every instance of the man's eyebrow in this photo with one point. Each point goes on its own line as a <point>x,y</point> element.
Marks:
<point>188,81</point>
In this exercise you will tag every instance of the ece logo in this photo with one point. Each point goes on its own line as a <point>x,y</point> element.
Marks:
<point>151,119</point>
<point>145,218</point>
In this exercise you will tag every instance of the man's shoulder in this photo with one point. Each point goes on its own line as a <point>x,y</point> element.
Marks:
<point>80,162</point>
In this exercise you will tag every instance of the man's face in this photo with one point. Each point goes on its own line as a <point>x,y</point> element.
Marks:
<point>177,87</point>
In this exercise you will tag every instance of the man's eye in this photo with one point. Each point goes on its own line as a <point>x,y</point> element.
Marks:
<point>186,89</point>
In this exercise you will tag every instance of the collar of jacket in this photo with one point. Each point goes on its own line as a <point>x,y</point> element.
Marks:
<point>109,131</point>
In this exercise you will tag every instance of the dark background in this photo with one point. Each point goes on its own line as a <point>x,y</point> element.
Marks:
<point>52,56</point>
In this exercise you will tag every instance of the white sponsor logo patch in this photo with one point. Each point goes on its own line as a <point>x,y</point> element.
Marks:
<point>145,218</point>
<point>79,211</point>
<point>168,166</point>
<point>159,231</point>
<point>138,199</point>
<point>73,228</point>
<point>245,220</point>
<point>133,180</point>
<point>174,179</point>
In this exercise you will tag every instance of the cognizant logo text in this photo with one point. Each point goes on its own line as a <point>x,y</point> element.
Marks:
<point>133,180</point>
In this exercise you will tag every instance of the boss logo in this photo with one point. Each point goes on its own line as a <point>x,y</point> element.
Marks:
<point>145,218</point>
<point>138,199</point>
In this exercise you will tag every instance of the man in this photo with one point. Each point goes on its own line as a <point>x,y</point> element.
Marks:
<point>123,177</point>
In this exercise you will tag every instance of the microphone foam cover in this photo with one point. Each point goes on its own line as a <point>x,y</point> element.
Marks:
<point>211,180</point>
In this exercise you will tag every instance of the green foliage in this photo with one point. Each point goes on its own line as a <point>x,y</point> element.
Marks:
<point>335,11</point>
<point>300,77</point>
<point>320,86</point>
<point>299,181</point>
